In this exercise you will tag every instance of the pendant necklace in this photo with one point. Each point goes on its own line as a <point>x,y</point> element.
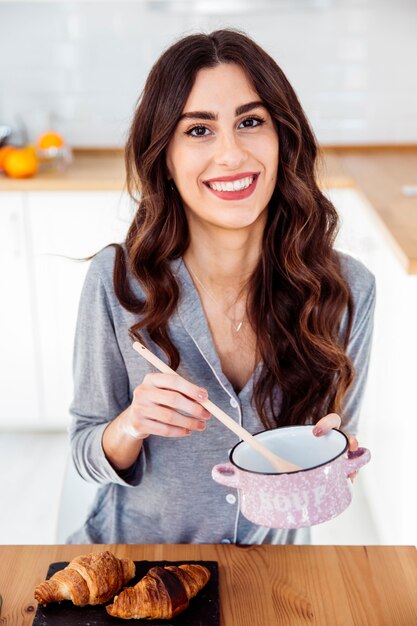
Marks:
<point>237,326</point>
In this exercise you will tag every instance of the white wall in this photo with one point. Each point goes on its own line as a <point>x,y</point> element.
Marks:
<point>80,66</point>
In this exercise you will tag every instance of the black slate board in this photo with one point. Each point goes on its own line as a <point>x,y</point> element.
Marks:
<point>203,610</point>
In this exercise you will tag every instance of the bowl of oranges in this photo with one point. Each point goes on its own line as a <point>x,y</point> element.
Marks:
<point>19,162</point>
<point>52,150</point>
<point>49,152</point>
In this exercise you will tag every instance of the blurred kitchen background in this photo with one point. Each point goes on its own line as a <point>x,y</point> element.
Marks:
<point>77,69</point>
<point>81,65</point>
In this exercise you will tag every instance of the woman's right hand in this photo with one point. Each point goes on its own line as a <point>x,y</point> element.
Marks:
<point>158,405</point>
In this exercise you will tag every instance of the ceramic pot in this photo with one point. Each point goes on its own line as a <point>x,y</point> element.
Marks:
<point>317,493</point>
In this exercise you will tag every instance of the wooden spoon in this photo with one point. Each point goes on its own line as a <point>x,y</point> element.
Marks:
<point>281,465</point>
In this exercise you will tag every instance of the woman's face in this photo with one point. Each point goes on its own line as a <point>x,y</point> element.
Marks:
<point>223,156</point>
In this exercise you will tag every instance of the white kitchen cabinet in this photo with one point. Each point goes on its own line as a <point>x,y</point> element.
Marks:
<point>20,401</point>
<point>389,416</point>
<point>64,227</point>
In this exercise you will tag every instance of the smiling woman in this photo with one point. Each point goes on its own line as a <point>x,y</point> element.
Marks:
<point>228,271</point>
<point>228,151</point>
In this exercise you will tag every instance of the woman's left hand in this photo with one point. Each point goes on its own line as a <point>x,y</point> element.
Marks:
<point>333,420</point>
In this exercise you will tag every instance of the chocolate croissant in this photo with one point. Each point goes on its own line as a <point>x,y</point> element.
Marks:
<point>90,579</point>
<point>163,593</point>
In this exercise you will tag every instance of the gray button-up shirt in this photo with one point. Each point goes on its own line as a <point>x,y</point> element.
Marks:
<point>169,495</point>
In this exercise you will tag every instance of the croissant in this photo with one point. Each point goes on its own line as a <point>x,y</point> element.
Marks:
<point>89,579</point>
<point>163,593</point>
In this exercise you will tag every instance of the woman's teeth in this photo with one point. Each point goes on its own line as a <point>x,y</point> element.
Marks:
<point>236,185</point>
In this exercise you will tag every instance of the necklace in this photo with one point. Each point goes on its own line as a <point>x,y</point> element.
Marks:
<point>235,326</point>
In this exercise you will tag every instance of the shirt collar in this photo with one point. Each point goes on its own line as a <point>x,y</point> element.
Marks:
<point>194,320</point>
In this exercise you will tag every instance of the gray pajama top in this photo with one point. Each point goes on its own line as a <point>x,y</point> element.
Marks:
<point>169,496</point>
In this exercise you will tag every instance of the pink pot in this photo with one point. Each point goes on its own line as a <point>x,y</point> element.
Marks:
<point>315,494</point>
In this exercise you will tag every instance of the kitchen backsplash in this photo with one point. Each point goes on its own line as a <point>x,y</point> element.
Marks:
<point>80,66</point>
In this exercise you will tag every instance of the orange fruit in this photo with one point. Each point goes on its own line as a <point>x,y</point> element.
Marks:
<point>50,140</point>
<point>21,162</point>
<point>4,151</point>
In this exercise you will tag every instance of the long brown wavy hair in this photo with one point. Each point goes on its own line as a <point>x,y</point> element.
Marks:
<point>297,293</point>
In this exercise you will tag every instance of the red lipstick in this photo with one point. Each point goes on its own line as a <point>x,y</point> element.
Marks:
<point>230,179</point>
<point>240,194</point>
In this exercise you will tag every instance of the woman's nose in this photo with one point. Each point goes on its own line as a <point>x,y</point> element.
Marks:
<point>229,151</point>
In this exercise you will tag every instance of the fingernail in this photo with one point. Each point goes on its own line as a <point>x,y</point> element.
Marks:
<point>317,431</point>
<point>202,394</point>
<point>201,425</point>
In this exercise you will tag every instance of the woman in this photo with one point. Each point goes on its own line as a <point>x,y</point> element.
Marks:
<point>229,274</point>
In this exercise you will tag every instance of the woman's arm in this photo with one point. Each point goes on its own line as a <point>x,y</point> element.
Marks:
<point>108,427</point>
<point>359,350</point>
<point>101,382</point>
<point>359,347</point>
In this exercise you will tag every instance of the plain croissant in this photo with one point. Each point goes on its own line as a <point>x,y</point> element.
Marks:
<point>163,593</point>
<point>90,579</point>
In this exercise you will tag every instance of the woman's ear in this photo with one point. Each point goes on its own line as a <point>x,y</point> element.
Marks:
<point>168,169</point>
<point>168,163</point>
<point>169,176</point>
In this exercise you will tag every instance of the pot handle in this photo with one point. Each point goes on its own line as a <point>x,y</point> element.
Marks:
<point>356,459</point>
<point>226,475</point>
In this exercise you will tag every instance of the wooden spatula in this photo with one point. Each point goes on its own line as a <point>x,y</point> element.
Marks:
<point>280,465</point>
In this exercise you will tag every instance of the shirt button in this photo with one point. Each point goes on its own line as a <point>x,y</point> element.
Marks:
<point>226,541</point>
<point>233,403</point>
<point>230,498</point>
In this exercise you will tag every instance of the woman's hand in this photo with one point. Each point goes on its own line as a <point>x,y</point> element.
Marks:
<point>333,420</point>
<point>157,406</point>
<point>156,409</point>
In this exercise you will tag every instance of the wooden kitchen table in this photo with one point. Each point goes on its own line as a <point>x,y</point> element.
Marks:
<point>259,585</point>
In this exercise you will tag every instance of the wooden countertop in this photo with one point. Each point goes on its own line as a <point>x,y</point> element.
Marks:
<point>379,173</point>
<point>90,170</point>
<point>259,585</point>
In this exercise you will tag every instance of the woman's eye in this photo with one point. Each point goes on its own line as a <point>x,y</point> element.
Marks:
<point>198,131</point>
<point>251,122</point>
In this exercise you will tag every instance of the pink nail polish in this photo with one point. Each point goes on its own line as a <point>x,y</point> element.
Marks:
<point>317,431</point>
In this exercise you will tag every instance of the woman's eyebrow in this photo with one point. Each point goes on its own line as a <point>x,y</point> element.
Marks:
<point>245,108</point>
<point>208,115</point>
